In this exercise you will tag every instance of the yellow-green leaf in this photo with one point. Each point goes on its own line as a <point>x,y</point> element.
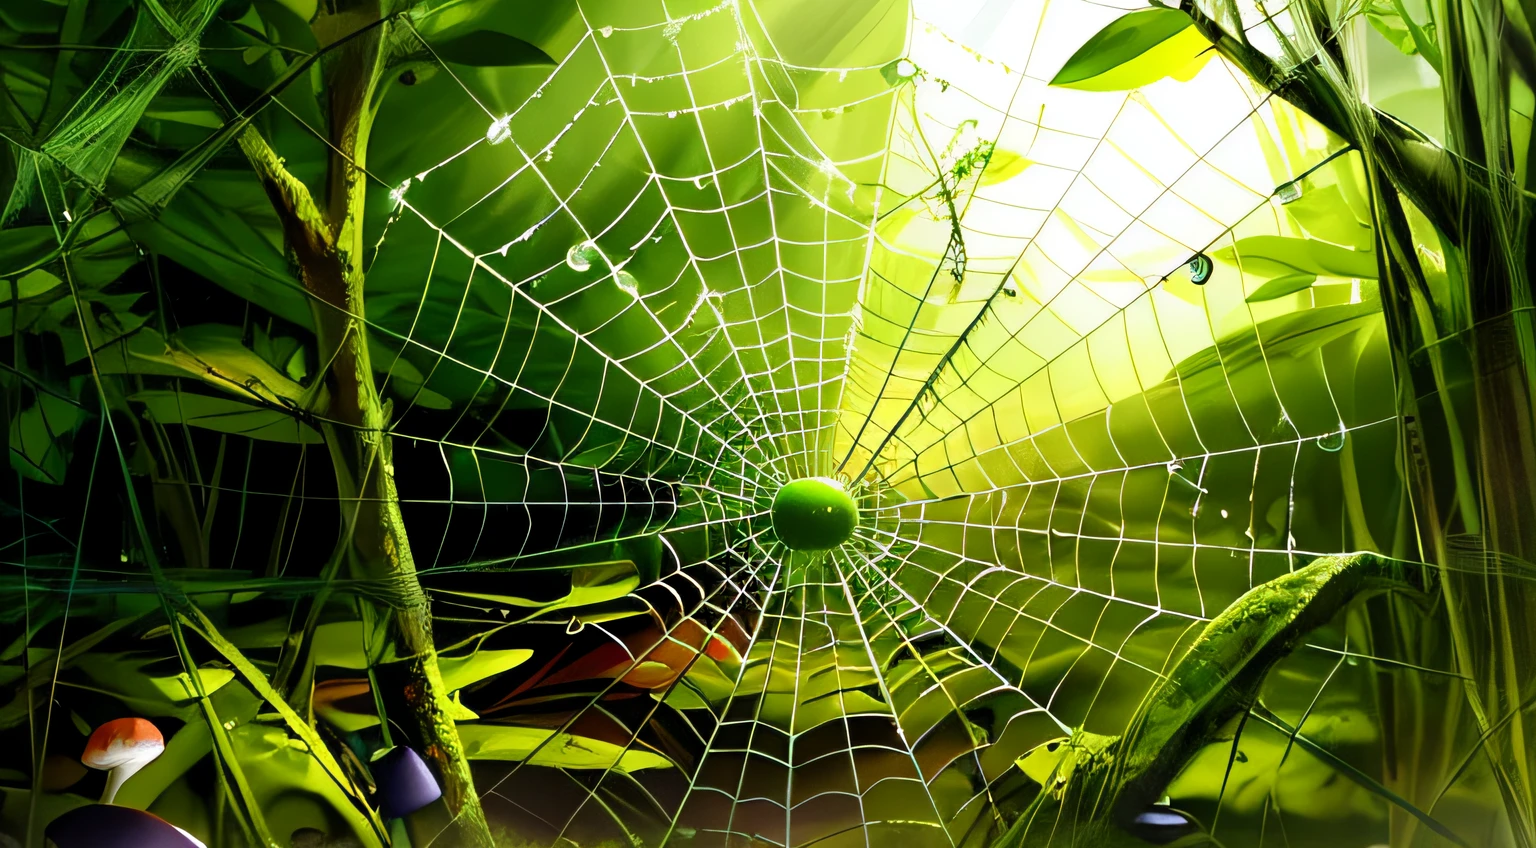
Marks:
<point>459,672</point>
<point>1003,165</point>
<point>512,743</point>
<point>1278,256</point>
<point>1282,286</point>
<point>179,687</point>
<point>1134,50</point>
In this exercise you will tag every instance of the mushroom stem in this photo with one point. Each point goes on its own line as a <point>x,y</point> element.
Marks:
<point>115,779</point>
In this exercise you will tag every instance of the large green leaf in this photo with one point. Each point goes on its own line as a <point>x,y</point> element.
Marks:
<point>40,437</point>
<point>1135,50</point>
<point>226,415</point>
<point>22,248</point>
<point>1279,256</point>
<point>211,229</point>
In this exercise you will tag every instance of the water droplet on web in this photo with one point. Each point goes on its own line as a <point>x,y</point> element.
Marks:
<point>397,194</point>
<point>606,31</point>
<point>1332,442</point>
<point>627,282</point>
<point>581,256</point>
<point>500,130</point>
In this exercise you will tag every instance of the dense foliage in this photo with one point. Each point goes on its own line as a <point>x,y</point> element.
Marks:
<point>767,422</point>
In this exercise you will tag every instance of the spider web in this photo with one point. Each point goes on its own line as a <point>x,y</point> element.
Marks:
<point>1020,541</point>
<point>709,255</point>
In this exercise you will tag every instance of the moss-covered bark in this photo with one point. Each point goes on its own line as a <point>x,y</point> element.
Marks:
<point>326,239</point>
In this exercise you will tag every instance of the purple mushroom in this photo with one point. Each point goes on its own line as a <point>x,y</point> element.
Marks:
<point>404,782</point>
<point>1161,824</point>
<point>110,826</point>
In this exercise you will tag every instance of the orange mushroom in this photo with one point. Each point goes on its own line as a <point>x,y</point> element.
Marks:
<point>121,747</point>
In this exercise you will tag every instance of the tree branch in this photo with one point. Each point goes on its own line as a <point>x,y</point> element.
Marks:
<point>1426,172</point>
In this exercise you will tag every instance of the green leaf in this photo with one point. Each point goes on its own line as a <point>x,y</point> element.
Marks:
<point>487,48</point>
<point>340,644</point>
<point>1277,256</point>
<point>290,18</point>
<point>1293,334</point>
<point>215,354</point>
<point>590,584</point>
<point>226,415</point>
<point>1282,286</point>
<point>329,771</point>
<point>26,247</point>
<point>230,245</point>
<point>179,687</point>
<point>39,438</point>
<point>1325,213</point>
<point>512,743</point>
<point>1392,20</point>
<point>1134,50</point>
<point>478,665</point>
<point>31,284</point>
<point>1003,165</point>
<point>892,71</point>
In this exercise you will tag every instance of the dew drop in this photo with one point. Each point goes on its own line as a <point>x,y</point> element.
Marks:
<point>1200,268</point>
<point>606,31</point>
<point>500,130</point>
<point>627,282</point>
<point>581,256</point>
<point>1332,442</point>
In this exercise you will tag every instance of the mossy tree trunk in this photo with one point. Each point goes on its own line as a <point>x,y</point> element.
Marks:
<point>326,240</point>
<point>1461,328</point>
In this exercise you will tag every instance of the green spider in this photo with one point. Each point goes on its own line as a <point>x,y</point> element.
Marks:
<point>1103,791</point>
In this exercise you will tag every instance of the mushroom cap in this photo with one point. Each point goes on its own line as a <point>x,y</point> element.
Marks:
<point>122,741</point>
<point>110,826</point>
<point>404,782</point>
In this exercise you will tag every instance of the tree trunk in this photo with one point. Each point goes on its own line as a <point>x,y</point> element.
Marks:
<point>328,244</point>
<point>1464,350</point>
